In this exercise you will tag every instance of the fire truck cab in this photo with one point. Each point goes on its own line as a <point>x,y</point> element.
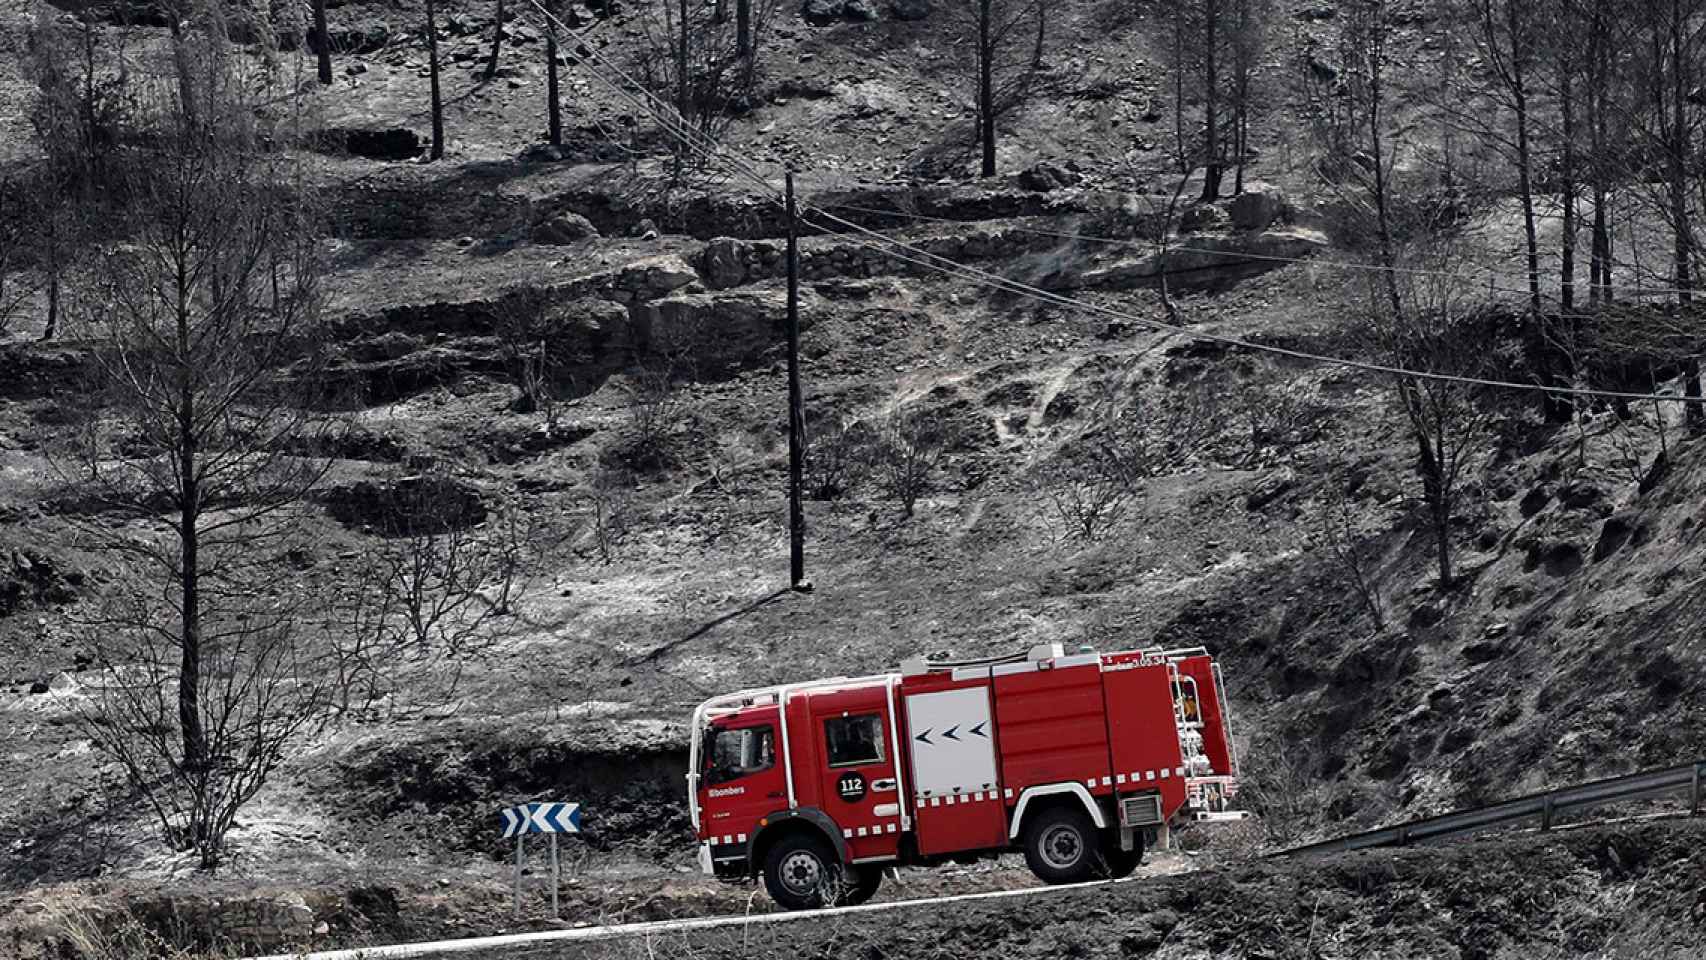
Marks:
<point>1076,760</point>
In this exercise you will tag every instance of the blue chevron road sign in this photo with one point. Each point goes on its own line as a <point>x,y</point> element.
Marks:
<point>541,818</point>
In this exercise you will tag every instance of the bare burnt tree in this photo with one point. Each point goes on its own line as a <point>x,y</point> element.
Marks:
<point>1667,122</point>
<point>322,44</point>
<point>553,84</point>
<point>611,500</point>
<point>436,152</point>
<point>526,334</point>
<point>1008,38</point>
<point>78,115</point>
<point>1508,38</point>
<point>693,60</point>
<point>1090,486</point>
<point>497,40</point>
<point>1430,330</point>
<point>435,593</point>
<point>904,453</point>
<point>206,314</point>
<point>835,458</point>
<point>1214,52</point>
<point>1248,43</point>
<point>1344,537</point>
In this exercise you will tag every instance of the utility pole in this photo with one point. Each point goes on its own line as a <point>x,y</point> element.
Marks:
<point>796,407</point>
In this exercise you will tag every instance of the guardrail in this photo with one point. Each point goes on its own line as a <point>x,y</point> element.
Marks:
<point>1543,806</point>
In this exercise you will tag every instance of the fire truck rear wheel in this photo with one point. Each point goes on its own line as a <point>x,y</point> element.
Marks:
<point>1062,845</point>
<point>801,872</point>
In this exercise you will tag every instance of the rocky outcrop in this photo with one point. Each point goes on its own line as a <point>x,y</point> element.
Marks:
<point>1046,176</point>
<point>1201,261</point>
<point>721,331</point>
<point>1259,208</point>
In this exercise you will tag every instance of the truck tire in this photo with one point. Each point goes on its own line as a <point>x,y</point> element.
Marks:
<point>862,884</point>
<point>1119,863</point>
<point>801,872</point>
<point>1063,846</point>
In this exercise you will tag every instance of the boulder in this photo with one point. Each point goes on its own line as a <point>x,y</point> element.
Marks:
<point>724,263</point>
<point>865,10</point>
<point>1257,209</point>
<point>653,277</point>
<point>909,9</point>
<point>1046,176</point>
<point>542,153</point>
<point>563,228</point>
<point>1200,217</point>
<point>822,13</point>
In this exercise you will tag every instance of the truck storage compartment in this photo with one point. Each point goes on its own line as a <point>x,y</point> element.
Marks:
<point>1143,728</point>
<point>1052,725</point>
<point>953,774</point>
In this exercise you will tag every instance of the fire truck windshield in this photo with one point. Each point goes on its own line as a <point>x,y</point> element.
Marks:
<point>738,753</point>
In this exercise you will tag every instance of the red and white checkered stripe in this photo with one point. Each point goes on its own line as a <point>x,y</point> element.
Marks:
<point>976,796</point>
<point>873,830</point>
<point>1138,776</point>
<point>727,838</point>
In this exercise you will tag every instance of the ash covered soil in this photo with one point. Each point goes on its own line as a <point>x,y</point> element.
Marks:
<point>1569,650</point>
<point>1625,892</point>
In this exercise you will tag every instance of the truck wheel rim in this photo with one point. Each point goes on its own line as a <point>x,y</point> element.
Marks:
<point>801,872</point>
<point>1061,847</point>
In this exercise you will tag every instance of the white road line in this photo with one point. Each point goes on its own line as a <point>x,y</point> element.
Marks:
<point>476,944</point>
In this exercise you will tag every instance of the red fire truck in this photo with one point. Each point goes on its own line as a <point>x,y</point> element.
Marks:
<point>1077,760</point>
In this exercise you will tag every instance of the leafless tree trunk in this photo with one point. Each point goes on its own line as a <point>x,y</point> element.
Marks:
<point>322,43</point>
<point>497,40</point>
<point>1211,93</point>
<point>985,89</point>
<point>1599,270</point>
<point>437,151</point>
<point>553,90</point>
<point>1680,62</point>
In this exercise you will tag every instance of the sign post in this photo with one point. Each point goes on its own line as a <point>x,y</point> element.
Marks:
<point>546,818</point>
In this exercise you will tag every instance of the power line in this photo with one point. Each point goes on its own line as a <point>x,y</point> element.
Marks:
<point>676,126</point>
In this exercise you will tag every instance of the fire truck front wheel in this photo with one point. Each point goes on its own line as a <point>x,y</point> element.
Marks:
<point>1062,845</point>
<point>802,873</point>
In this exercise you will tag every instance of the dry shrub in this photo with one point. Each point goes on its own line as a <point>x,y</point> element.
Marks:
<point>85,935</point>
<point>1279,783</point>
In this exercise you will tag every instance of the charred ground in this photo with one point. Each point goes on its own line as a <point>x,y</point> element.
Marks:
<point>1568,650</point>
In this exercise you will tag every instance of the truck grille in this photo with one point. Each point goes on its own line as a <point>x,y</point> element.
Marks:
<point>1142,810</point>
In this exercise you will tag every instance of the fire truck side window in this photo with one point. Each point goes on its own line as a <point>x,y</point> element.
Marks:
<point>854,740</point>
<point>738,753</point>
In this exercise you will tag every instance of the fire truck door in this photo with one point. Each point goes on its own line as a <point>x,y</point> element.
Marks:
<point>742,780</point>
<point>858,757</point>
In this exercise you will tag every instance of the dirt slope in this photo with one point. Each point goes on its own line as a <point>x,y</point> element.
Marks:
<point>1571,649</point>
